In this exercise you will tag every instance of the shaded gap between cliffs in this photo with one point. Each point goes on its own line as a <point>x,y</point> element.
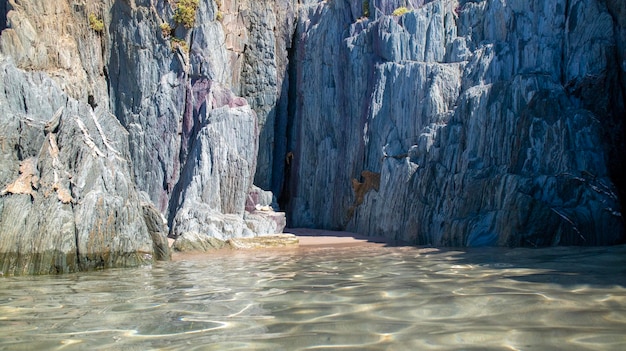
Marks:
<point>188,136</point>
<point>284,151</point>
<point>4,9</point>
<point>618,151</point>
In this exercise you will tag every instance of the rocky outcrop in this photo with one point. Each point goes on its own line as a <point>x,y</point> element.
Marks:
<point>487,122</point>
<point>68,202</point>
<point>147,139</point>
<point>258,38</point>
<point>222,159</point>
<point>193,142</point>
<point>191,242</point>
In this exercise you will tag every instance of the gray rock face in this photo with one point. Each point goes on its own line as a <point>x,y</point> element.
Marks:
<point>148,134</point>
<point>148,86</point>
<point>258,36</point>
<point>471,123</point>
<point>68,202</point>
<point>193,142</point>
<point>177,115</point>
<point>222,159</point>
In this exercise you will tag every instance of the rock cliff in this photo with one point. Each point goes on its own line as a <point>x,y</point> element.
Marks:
<point>460,123</point>
<point>431,122</point>
<point>120,126</point>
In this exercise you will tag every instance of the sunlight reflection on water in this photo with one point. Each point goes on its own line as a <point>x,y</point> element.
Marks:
<point>359,298</point>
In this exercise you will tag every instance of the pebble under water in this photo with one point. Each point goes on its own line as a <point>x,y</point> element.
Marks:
<point>365,297</point>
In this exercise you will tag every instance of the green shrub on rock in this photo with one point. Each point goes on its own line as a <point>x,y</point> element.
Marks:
<point>178,43</point>
<point>400,11</point>
<point>185,12</point>
<point>95,23</point>
<point>166,30</point>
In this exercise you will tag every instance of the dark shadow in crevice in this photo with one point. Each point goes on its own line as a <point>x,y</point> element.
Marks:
<point>284,133</point>
<point>4,9</point>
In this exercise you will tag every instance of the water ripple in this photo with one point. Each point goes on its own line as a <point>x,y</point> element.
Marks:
<point>360,298</point>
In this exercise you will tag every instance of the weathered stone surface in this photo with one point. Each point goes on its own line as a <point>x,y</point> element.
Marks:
<point>157,227</point>
<point>170,90</point>
<point>68,202</point>
<point>194,144</point>
<point>261,212</point>
<point>54,37</point>
<point>221,163</point>
<point>258,36</point>
<point>487,122</point>
<point>148,87</point>
<point>259,199</point>
<point>198,242</point>
<point>458,123</point>
<point>265,221</point>
<point>263,242</point>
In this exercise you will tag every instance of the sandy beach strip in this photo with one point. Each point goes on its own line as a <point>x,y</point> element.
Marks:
<point>319,237</point>
<point>308,239</point>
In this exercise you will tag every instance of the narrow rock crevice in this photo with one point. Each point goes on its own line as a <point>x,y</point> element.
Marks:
<point>617,151</point>
<point>4,9</point>
<point>78,260</point>
<point>283,166</point>
<point>563,74</point>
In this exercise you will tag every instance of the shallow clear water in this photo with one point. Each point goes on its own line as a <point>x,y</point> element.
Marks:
<point>360,298</point>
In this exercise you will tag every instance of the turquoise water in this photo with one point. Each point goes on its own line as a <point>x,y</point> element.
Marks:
<point>349,298</point>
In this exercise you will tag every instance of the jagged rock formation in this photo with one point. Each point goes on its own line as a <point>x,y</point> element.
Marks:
<point>193,142</point>
<point>258,38</point>
<point>455,123</point>
<point>484,120</point>
<point>118,121</point>
<point>68,202</point>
